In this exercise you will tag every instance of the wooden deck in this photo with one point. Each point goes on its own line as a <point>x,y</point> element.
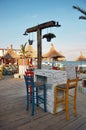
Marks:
<point>13,115</point>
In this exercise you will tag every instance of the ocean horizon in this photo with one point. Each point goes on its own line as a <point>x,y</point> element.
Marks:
<point>81,63</point>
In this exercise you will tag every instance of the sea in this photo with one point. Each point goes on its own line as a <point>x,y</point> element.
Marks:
<point>64,63</point>
<point>76,63</point>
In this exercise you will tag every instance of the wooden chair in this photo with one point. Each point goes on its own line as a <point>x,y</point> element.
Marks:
<point>67,98</point>
<point>30,73</point>
<point>40,98</point>
<point>1,72</point>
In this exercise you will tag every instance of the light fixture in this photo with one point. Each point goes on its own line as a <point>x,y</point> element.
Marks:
<point>25,33</point>
<point>30,42</point>
<point>49,36</point>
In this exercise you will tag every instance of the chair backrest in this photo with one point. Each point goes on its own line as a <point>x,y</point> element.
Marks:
<point>72,83</point>
<point>72,79</point>
<point>29,80</point>
<point>29,73</point>
<point>71,71</point>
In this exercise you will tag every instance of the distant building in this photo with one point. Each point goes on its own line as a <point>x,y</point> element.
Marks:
<point>7,54</point>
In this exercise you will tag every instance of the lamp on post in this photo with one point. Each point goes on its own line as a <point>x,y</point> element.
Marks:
<point>38,29</point>
<point>49,36</point>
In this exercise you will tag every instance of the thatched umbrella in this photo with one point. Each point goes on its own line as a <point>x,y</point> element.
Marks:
<point>53,53</point>
<point>31,52</point>
<point>81,57</point>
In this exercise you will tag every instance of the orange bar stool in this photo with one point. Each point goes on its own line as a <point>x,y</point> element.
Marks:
<point>68,98</point>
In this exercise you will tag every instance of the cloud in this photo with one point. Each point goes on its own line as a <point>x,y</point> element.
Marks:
<point>35,16</point>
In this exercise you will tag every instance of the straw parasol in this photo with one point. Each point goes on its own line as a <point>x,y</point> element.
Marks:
<point>53,53</point>
<point>81,57</point>
<point>31,52</point>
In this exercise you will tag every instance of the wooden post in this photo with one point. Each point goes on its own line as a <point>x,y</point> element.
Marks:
<point>39,48</point>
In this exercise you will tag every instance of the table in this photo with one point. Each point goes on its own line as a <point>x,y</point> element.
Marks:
<point>53,78</point>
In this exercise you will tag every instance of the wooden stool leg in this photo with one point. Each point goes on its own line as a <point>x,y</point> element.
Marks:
<point>32,101</point>
<point>27,100</point>
<point>55,100</point>
<point>37,102</point>
<point>75,113</point>
<point>45,108</point>
<point>66,105</point>
<point>31,94</point>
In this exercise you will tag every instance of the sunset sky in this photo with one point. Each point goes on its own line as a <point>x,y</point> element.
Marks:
<point>18,15</point>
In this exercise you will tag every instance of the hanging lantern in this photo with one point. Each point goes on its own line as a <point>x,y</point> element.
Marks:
<point>49,36</point>
<point>25,33</point>
<point>30,42</point>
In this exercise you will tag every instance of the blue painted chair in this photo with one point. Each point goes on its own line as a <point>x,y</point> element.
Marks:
<point>37,98</point>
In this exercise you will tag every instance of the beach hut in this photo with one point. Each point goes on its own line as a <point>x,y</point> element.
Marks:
<point>10,57</point>
<point>10,62</point>
<point>53,54</point>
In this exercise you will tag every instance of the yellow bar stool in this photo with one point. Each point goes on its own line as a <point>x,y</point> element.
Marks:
<point>68,99</point>
<point>0,73</point>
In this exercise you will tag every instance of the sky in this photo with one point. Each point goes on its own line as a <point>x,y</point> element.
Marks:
<point>18,15</point>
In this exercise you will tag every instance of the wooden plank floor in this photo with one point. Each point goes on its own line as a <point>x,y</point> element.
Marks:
<point>13,115</point>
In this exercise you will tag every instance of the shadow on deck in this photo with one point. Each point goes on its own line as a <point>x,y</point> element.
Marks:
<point>13,115</point>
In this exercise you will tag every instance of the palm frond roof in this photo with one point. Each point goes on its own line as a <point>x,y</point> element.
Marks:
<point>53,53</point>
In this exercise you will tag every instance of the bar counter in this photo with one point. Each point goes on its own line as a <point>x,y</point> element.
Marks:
<point>53,79</point>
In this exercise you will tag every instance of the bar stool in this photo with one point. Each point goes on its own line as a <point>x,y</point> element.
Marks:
<point>1,71</point>
<point>30,72</point>
<point>72,83</point>
<point>37,98</point>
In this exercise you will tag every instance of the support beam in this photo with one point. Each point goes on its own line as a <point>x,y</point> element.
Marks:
<point>39,28</point>
<point>43,26</point>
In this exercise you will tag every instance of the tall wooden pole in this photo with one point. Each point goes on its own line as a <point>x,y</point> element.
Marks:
<point>39,48</point>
